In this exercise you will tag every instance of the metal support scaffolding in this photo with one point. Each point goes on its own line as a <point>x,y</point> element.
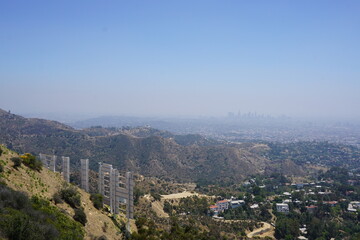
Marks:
<point>84,171</point>
<point>116,189</point>
<point>49,161</point>
<point>66,168</point>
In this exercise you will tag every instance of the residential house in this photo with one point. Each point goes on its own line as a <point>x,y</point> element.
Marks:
<point>311,208</point>
<point>214,209</point>
<point>282,207</point>
<point>223,205</point>
<point>331,203</point>
<point>353,206</point>
<point>236,203</point>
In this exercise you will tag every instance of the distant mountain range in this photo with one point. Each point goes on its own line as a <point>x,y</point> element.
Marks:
<point>159,153</point>
<point>144,150</point>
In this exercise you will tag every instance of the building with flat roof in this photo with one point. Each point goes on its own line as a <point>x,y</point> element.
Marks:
<point>236,203</point>
<point>282,207</point>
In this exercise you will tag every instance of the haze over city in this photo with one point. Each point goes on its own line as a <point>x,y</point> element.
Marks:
<point>181,58</point>
<point>158,119</point>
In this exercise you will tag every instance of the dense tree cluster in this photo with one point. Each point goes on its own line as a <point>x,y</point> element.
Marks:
<point>287,228</point>
<point>193,205</point>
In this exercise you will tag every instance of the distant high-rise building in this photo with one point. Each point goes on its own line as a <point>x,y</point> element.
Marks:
<point>84,171</point>
<point>49,161</point>
<point>66,168</point>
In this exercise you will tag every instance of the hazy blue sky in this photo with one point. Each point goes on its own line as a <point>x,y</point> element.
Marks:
<point>299,58</point>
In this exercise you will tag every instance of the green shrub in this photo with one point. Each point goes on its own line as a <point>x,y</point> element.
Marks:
<point>156,196</point>
<point>140,222</point>
<point>167,207</point>
<point>137,194</point>
<point>1,151</point>
<point>31,161</point>
<point>80,216</point>
<point>57,198</point>
<point>1,168</point>
<point>16,161</point>
<point>71,196</point>
<point>97,200</point>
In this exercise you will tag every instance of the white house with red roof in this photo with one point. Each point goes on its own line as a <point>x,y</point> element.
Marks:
<point>214,208</point>
<point>223,205</point>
